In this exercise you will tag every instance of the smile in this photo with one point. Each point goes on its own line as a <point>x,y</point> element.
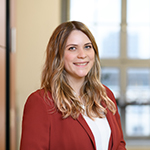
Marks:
<point>81,64</point>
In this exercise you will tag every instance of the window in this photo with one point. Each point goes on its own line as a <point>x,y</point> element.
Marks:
<point>122,32</point>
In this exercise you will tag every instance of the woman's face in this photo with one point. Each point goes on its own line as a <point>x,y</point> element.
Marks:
<point>79,55</point>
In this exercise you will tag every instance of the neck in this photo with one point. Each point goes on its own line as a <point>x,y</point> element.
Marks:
<point>76,84</point>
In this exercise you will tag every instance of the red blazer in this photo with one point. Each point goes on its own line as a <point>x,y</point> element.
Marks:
<point>43,127</point>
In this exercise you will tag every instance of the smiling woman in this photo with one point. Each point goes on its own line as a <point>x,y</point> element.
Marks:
<point>72,110</point>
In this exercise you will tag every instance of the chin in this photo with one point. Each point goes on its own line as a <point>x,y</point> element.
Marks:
<point>82,76</point>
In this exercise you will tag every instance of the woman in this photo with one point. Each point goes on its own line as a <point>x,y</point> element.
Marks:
<point>72,110</point>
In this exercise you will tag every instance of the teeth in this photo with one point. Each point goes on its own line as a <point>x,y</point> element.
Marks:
<point>81,64</point>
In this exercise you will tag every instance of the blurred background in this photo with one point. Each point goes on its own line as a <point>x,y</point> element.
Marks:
<point>122,32</point>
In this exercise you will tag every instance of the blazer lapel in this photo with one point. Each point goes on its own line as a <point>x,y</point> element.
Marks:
<point>83,123</point>
<point>110,118</point>
<point>110,121</point>
<point>115,130</point>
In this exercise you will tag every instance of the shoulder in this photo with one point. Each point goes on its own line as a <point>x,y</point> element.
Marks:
<point>108,91</point>
<point>39,99</point>
<point>36,94</point>
<point>35,97</point>
<point>110,94</point>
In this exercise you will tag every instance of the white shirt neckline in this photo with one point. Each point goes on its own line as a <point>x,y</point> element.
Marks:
<point>101,131</point>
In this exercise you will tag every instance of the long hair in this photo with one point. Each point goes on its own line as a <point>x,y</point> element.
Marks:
<point>54,78</point>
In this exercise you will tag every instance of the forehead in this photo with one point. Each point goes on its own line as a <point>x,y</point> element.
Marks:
<point>77,36</point>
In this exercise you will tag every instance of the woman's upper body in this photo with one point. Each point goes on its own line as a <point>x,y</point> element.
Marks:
<point>43,127</point>
<point>71,88</point>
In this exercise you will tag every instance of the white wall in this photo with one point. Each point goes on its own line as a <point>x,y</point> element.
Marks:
<point>35,21</point>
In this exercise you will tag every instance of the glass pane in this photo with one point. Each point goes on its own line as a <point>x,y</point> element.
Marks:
<point>138,120</point>
<point>111,78</point>
<point>138,85</point>
<point>138,45</point>
<point>103,19</point>
<point>138,29</point>
<point>108,11</point>
<point>138,11</point>
<point>94,11</point>
<point>108,39</point>
<point>83,10</point>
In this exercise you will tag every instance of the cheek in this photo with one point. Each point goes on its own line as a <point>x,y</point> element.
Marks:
<point>65,63</point>
<point>67,59</point>
<point>92,56</point>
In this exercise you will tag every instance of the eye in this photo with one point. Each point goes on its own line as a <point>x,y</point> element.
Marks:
<point>71,48</point>
<point>88,46</point>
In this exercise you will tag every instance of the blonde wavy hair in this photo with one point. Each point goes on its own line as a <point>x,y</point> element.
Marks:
<point>54,78</point>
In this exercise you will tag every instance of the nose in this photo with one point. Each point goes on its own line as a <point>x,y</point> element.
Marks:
<point>81,53</point>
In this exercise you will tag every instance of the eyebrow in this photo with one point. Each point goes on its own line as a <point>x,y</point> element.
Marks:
<point>88,43</point>
<point>71,45</point>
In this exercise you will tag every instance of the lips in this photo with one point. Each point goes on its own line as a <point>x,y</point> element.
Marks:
<point>81,63</point>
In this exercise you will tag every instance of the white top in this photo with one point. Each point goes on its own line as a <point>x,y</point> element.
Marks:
<point>101,131</point>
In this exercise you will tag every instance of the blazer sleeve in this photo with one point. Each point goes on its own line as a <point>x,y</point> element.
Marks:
<point>122,143</point>
<point>35,126</point>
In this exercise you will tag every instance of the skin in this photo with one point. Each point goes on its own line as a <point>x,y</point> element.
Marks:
<point>79,57</point>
